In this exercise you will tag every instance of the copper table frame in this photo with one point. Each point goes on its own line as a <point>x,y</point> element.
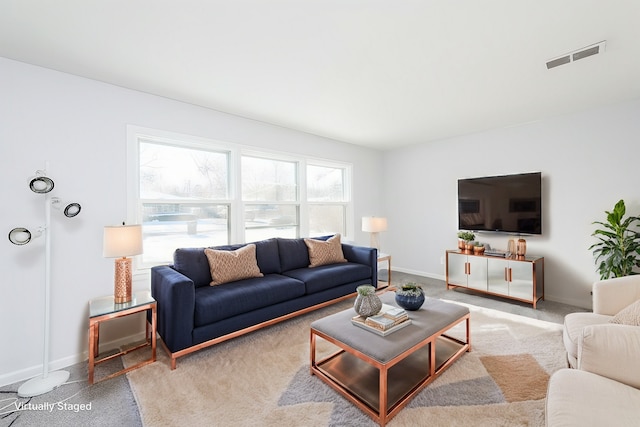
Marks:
<point>94,337</point>
<point>439,351</point>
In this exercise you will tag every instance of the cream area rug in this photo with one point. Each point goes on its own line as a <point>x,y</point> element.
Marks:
<point>263,379</point>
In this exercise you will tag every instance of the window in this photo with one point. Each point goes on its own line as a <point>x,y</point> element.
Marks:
<point>270,197</point>
<point>183,198</point>
<point>327,199</point>
<point>192,192</point>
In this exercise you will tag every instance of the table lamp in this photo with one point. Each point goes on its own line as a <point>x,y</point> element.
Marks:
<point>374,225</point>
<point>120,242</point>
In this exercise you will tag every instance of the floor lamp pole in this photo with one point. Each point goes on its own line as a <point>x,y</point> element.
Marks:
<point>47,381</point>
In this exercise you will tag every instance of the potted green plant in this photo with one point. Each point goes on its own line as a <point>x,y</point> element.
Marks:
<point>410,296</point>
<point>465,239</point>
<point>618,245</point>
<point>478,248</point>
<point>367,302</point>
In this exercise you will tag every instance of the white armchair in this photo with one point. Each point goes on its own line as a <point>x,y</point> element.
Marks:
<point>609,298</point>
<point>605,389</point>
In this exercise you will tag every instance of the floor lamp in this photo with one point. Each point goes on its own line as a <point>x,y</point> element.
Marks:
<point>41,184</point>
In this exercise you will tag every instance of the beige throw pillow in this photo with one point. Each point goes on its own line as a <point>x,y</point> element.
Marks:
<point>228,266</point>
<point>325,252</point>
<point>629,315</point>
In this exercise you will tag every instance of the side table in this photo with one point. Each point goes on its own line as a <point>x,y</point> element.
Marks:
<point>103,309</point>
<point>381,258</point>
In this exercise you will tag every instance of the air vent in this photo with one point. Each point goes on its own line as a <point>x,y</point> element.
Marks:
<point>585,52</point>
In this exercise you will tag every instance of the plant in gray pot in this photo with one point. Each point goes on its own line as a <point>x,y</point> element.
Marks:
<point>618,248</point>
<point>410,296</point>
<point>367,302</point>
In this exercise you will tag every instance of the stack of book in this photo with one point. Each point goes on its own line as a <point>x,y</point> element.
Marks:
<point>388,320</point>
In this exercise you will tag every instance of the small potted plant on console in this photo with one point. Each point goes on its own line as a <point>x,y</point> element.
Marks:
<point>478,248</point>
<point>410,296</point>
<point>466,237</point>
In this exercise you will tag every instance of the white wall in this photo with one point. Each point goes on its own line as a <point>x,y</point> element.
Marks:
<point>588,160</point>
<point>79,126</point>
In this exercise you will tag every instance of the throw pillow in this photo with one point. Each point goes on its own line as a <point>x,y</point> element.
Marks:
<point>325,252</point>
<point>629,315</point>
<point>228,266</point>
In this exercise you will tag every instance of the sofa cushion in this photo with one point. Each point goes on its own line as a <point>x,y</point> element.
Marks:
<point>228,266</point>
<point>328,276</point>
<point>266,254</point>
<point>323,252</point>
<point>629,315</point>
<point>293,254</point>
<point>193,263</point>
<point>213,303</point>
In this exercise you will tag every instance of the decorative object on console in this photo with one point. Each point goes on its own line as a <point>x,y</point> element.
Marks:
<point>511,247</point>
<point>465,239</point>
<point>120,242</point>
<point>41,184</point>
<point>367,302</point>
<point>478,248</point>
<point>374,225</point>
<point>618,244</point>
<point>521,247</point>
<point>410,296</point>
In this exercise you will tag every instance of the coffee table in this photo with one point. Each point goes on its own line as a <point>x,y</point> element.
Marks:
<point>380,375</point>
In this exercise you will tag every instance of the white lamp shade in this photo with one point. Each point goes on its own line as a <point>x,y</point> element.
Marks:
<point>122,241</point>
<point>373,224</point>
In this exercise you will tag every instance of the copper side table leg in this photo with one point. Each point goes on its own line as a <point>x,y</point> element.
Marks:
<point>154,326</point>
<point>92,350</point>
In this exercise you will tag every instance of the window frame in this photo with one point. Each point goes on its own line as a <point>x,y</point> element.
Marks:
<point>236,229</point>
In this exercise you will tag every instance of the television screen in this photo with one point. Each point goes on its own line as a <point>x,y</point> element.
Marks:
<point>507,203</point>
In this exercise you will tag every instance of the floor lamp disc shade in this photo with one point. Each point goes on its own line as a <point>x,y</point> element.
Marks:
<point>41,184</point>
<point>121,242</point>
<point>20,236</point>
<point>72,209</point>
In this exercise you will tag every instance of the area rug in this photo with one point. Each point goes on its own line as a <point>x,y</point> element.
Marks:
<point>263,379</point>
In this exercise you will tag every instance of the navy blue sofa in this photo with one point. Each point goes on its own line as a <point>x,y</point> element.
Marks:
<point>193,315</point>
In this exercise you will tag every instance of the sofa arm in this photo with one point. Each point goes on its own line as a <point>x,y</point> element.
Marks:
<point>611,350</point>
<point>612,295</point>
<point>363,255</point>
<point>175,296</point>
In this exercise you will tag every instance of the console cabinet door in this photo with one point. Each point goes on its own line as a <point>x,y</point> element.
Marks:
<point>521,284</point>
<point>456,269</point>
<point>469,271</point>
<point>477,272</point>
<point>511,278</point>
<point>498,276</point>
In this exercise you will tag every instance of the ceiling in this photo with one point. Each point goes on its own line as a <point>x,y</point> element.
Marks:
<point>377,73</point>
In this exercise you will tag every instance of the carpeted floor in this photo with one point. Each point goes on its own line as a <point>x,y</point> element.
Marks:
<point>263,379</point>
<point>75,403</point>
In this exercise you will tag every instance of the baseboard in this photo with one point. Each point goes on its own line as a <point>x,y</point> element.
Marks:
<point>418,273</point>
<point>58,364</point>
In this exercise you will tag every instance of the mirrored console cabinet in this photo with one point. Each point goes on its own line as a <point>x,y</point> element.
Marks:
<point>515,277</point>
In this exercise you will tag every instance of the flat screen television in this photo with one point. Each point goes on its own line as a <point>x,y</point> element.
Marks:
<point>506,203</point>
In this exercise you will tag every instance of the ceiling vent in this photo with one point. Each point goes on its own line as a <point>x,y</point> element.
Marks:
<point>585,52</point>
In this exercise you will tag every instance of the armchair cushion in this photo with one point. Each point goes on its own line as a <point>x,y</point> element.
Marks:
<point>612,351</point>
<point>579,398</point>
<point>629,315</point>
<point>574,323</point>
